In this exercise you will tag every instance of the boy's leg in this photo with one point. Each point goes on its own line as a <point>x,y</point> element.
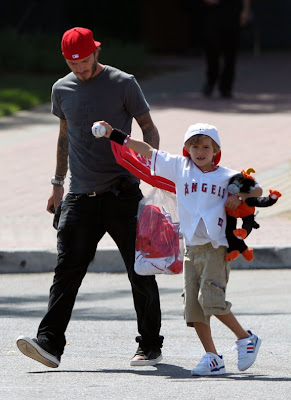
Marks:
<point>204,333</point>
<point>232,323</point>
<point>248,343</point>
<point>211,363</point>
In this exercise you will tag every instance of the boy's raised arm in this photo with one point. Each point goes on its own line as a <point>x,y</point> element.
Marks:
<point>136,145</point>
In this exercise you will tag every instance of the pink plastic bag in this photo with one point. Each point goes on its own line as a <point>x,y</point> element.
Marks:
<point>159,243</point>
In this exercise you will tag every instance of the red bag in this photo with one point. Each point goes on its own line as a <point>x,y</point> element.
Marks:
<point>159,244</point>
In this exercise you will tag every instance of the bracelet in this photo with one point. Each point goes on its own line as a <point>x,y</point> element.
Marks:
<point>118,136</point>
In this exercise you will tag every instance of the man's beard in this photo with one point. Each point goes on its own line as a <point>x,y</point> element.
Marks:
<point>94,68</point>
<point>90,72</point>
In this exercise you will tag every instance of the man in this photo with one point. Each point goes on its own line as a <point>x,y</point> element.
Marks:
<point>103,196</point>
<point>222,22</point>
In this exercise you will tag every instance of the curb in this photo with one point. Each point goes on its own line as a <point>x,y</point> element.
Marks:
<point>109,260</point>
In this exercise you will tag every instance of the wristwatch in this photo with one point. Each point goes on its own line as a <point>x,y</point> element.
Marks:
<point>57,182</point>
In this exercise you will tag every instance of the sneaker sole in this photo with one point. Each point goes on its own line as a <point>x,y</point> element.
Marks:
<point>144,363</point>
<point>222,371</point>
<point>32,350</point>
<point>255,354</point>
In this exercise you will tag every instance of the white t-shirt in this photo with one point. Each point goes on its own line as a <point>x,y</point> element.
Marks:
<point>200,197</point>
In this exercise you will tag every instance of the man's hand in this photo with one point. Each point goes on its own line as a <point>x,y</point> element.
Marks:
<point>55,198</point>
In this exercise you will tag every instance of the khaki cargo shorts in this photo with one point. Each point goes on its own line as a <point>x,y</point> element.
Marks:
<point>205,277</point>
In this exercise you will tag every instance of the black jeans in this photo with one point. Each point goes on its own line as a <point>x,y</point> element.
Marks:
<point>83,222</point>
<point>221,42</point>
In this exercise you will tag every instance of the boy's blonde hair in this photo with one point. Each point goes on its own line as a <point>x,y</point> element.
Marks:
<point>197,139</point>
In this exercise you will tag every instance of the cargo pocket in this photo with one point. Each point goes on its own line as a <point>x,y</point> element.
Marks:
<point>212,297</point>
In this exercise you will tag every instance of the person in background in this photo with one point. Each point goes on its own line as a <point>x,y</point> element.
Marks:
<point>221,29</point>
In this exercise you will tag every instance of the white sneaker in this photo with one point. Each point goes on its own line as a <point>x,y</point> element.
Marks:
<point>247,351</point>
<point>210,364</point>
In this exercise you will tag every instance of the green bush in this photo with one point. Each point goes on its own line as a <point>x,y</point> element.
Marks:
<point>8,105</point>
<point>33,53</point>
<point>32,63</point>
<point>41,53</point>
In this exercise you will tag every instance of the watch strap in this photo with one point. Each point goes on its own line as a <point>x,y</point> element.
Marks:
<point>57,182</point>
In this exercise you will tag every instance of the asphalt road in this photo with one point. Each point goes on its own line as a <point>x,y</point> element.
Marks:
<point>101,334</point>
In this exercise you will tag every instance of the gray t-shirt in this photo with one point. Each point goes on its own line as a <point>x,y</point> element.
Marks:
<point>113,96</point>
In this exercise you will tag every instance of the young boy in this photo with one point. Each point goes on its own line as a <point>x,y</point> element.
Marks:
<point>201,187</point>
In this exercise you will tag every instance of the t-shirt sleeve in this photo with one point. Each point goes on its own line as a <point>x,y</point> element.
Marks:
<point>166,165</point>
<point>55,104</point>
<point>135,101</point>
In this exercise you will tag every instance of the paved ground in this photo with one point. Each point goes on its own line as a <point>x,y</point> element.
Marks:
<point>101,334</point>
<point>254,129</point>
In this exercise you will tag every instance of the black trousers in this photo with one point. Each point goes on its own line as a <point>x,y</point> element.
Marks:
<point>221,41</point>
<point>83,222</point>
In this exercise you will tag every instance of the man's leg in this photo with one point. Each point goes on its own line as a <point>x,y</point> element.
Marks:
<point>230,43</point>
<point>77,240</point>
<point>121,216</point>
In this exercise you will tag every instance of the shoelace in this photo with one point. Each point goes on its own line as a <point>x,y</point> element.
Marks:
<point>206,360</point>
<point>241,346</point>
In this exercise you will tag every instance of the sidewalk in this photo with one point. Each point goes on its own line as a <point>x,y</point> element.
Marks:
<point>254,129</point>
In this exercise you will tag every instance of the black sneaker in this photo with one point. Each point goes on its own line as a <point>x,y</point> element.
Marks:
<point>32,348</point>
<point>147,355</point>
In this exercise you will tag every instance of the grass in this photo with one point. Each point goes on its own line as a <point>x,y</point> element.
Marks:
<point>19,91</point>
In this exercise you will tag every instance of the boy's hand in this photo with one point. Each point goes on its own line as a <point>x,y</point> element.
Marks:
<point>233,202</point>
<point>108,127</point>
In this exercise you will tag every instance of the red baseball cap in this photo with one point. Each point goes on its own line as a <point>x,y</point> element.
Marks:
<point>78,43</point>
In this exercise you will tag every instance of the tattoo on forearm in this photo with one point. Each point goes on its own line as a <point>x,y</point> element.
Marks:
<point>62,151</point>
<point>151,136</point>
<point>149,130</point>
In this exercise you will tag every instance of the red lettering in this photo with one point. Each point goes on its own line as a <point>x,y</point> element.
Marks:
<point>194,187</point>
<point>204,187</point>
<point>219,191</point>
<point>213,189</point>
<point>186,189</point>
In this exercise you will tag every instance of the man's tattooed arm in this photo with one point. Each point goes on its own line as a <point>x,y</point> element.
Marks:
<point>62,149</point>
<point>149,130</point>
